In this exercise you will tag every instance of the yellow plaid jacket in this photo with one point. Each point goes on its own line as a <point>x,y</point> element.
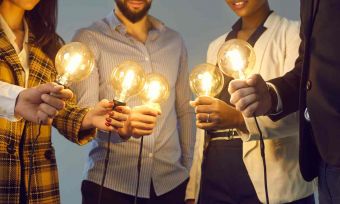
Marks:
<point>14,163</point>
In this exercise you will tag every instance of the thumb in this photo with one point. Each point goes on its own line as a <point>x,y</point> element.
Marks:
<point>256,80</point>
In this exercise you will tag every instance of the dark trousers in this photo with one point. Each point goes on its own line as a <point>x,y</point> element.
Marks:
<point>90,192</point>
<point>329,184</point>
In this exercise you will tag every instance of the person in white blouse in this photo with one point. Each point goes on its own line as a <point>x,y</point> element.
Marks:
<point>232,170</point>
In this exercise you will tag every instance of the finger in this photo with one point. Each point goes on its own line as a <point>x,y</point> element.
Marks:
<point>43,118</point>
<point>106,104</point>
<point>118,116</point>
<point>116,124</point>
<point>205,117</point>
<point>205,126</point>
<point>204,100</point>
<point>250,110</point>
<point>123,109</point>
<point>145,110</point>
<point>143,118</point>
<point>49,87</point>
<point>53,101</point>
<point>246,101</point>
<point>141,125</point>
<point>192,103</point>
<point>204,109</point>
<point>64,94</point>
<point>239,94</point>
<point>49,110</point>
<point>136,133</point>
<point>237,84</point>
<point>254,80</point>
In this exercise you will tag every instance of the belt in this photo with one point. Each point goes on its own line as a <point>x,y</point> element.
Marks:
<point>225,135</point>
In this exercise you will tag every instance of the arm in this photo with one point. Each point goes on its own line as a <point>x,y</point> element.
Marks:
<point>8,96</point>
<point>287,126</point>
<point>184,112</point>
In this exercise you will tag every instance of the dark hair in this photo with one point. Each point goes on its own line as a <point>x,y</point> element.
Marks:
<point>42,22</point>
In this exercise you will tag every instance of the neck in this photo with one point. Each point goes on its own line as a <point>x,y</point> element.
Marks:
<point>13,15</point>
<point>138,30</point>
<point>254,20</point>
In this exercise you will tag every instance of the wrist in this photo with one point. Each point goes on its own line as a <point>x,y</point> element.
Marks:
<point>273,100</point>
<point>87,122</point>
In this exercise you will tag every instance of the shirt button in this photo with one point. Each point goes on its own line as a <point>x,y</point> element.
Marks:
<point>306,114</point>
<point>150,155</point>
<point>11,148</point>
<point>309,85</point>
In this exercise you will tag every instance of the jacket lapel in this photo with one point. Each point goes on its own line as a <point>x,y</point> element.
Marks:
<point>41,67</point>
<point>8,53</point>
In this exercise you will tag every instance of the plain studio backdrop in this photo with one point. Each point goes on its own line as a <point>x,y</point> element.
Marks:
<point>199,22</point>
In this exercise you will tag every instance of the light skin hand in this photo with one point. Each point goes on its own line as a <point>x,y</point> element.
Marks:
<point>250,96</point>
<point>221,115</point>
<point>141,122</point>
<point>104,118</point>
<point>42,103</point>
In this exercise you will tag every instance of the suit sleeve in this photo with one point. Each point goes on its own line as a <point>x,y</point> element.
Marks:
<point>288,86</point>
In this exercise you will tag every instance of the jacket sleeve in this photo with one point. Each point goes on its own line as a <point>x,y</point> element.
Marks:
<point>69,121</point>
<point>8,96</point>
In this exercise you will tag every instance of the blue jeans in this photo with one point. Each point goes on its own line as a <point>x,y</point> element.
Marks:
<point>329,184</point>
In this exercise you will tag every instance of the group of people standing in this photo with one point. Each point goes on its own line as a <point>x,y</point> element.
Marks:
<point>219,160</point>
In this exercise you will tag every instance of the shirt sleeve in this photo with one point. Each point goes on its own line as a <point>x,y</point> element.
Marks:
<point>185,115</point>
<point>8,96</point>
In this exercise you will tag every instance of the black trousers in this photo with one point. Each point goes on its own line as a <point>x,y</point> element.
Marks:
<point>90,193</point>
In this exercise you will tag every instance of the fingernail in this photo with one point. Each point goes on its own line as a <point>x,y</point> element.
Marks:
<point>108,124</point>
<point>109,120</point>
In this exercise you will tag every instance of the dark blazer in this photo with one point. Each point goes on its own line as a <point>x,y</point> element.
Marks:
<point>314,84</point>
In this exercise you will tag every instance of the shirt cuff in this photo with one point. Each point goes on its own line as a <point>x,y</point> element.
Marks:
<point>8,96</point>
<point>278,108</point>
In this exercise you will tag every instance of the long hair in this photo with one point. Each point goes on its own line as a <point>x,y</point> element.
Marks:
<point>42,22</point>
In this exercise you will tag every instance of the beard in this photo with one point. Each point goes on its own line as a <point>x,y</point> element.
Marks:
<point>133,16</point>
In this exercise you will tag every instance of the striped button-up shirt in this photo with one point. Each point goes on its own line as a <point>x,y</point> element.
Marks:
<point>167,153</point>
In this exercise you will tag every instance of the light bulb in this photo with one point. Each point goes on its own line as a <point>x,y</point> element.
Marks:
<point>74,62</point>
<point>206,80</point>
<point>156,90</point>
<point>127,80</point>
<point>236,58</point>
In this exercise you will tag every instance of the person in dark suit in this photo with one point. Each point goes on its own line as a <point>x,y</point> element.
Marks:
<point>313,88</point>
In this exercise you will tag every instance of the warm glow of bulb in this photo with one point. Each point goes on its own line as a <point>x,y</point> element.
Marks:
<point>236,58</point>
<point>206,80</point>
<point>156,91</point>
<point>74,61</point>
<point>127,80</point>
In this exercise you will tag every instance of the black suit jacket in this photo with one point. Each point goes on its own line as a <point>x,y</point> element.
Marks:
<point>314,84</point>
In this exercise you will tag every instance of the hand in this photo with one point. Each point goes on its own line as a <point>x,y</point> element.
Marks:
<point>190,201</point>
<point>104,118</point>
<point>141,122</point>
<point>42,103</point>
<point>250,96</point>
<point>220,114</point>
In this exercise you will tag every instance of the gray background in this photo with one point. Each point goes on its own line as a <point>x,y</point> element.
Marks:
<point>199,22</point>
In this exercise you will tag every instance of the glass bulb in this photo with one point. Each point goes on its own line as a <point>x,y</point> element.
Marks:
<point>74,62</point>
<point>156,90</point>
<point>206,80</point>
<point>127,80</point>
<point>236,58</point>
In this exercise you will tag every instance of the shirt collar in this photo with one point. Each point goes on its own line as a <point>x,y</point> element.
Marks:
<point>117,25</point>
<point>256,35</point>
<point>10,34</point>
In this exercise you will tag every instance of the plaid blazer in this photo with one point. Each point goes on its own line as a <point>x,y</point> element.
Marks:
<point>14,163</point>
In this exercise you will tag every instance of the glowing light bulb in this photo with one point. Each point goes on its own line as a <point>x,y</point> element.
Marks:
<point>206,80</point>
<point>156,90</point>
<point>74,62</point>
<point>236,58</point>
<point>127,80</point>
